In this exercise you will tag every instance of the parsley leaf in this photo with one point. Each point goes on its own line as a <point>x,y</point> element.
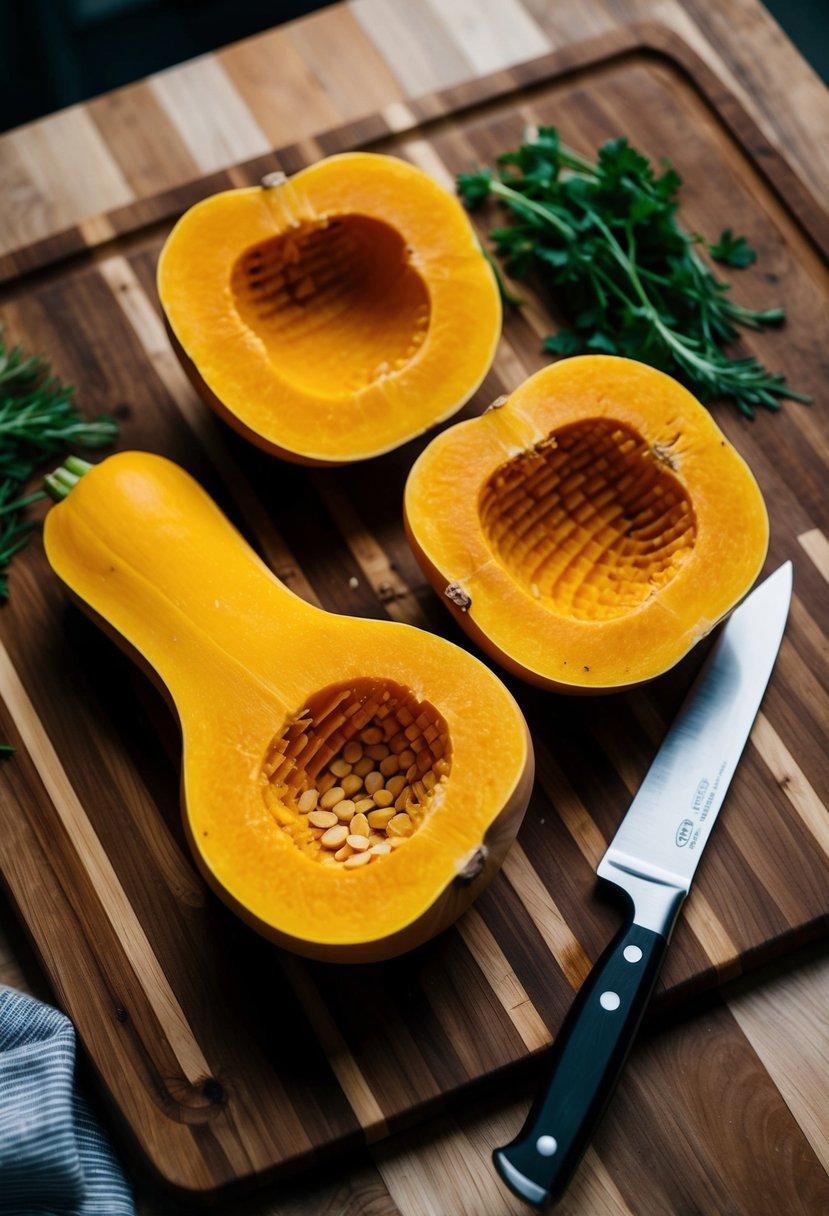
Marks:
<point>37,419</point>
<point>732,250</point>
<point>604,235</point>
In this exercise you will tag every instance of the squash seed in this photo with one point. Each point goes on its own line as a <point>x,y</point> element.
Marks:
<point>365,805</point>
<point>383,797</point>
<point>322,819</point>
<point>351,784</point>
<point>335,837</point>
<point>371,735</point>
<point>378,751</point>
<point>395,785</point>
<point>374,782</point>
<point>363,767</point>
<point>389,766</point>
<point>358,843</point>
<point>331,797</point>
<point>359,825</point>
<point>307,801</point>
<point>352,752</point>
<point>356,860</point>
<point>406,758</point>
<point>344,810</point>
<point>379,819</point>
<point>339,767</point>
<point>345,851</point>
<point>378,850</point>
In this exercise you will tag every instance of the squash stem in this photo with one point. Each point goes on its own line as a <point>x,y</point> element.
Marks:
<point>66,477</point>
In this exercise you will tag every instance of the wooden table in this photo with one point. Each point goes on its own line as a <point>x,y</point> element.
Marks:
<point>755,1137</point>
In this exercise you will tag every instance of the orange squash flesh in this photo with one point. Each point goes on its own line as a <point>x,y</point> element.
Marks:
<point>589,531</point>
<point>268,690</point>
<point>335,315</point>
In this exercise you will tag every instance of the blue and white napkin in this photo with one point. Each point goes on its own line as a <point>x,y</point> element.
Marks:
<point>54,1157</point>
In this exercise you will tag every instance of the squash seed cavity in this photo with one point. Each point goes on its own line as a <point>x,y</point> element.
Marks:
<point>350,274</point>
<point>353,774</point>
<point>591,521</point>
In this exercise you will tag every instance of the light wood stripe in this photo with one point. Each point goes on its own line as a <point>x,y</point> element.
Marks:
<point>707,927</point>
<point>559,938</point>
<point>792,781</point>
<point>353,1083</point>
<point>279,88</point>
<point>413,43</point>
<point>205,107</point>
<point>96,230</point>
<point>150,332</point>
<point>113,899</point>
<point>594,1192</point>
<point>494,34</point>
<point>785,1020</point>
<point>503,980</point>
<point>444,1176</point>
<point>60,157</point>
<point>816,545</point>
<point>330,43</point>
<point>421,153</point>
<point>398,116</point>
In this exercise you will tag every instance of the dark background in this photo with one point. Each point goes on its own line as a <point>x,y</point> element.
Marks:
<point>56,52</point>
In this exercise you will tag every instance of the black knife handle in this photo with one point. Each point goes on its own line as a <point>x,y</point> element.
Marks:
<point>587,1059</point>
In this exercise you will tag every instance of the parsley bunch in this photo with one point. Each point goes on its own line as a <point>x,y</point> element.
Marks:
<point>37,419</point>
<point>630,279</point>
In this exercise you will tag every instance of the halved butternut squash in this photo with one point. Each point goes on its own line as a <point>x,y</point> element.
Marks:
<point>334,315</point>
<point>349,786</point>
<point>588,531</point>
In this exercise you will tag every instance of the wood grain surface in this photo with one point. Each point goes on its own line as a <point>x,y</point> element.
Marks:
<point>124,812</point>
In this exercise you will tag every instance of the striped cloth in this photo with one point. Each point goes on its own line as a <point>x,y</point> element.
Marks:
<point>54,1158</point>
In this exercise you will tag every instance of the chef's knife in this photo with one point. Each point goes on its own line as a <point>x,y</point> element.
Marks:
<point>652,858</point>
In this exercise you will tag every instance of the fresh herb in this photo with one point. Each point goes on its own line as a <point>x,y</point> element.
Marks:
<point>629,278</point>
<point>37,419</point>
<point>733,251</point>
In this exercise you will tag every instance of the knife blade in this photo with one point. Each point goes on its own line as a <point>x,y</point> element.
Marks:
<point>652,860</point>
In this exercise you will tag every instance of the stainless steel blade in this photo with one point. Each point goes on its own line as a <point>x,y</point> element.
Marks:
<point>658,846</point>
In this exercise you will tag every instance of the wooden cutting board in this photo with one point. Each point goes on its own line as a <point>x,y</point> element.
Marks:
<point>225,1059</point>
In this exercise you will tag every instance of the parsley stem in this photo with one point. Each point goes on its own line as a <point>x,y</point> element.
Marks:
<point>522,203</point>
<point>19,503</point>
<point>632,281</point>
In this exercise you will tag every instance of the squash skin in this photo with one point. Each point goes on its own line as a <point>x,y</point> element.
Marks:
<point>252,386</point>
<point>146,552</point>
<point>524,627</point>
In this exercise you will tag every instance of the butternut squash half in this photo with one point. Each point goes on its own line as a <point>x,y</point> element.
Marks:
<point>334,315</point>
<point>591,528</point>
<point>349,786</point>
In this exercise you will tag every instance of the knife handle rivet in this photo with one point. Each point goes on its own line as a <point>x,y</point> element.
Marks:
<point>546,1145</point>
<point>632,954</point>
<point>610,1000</point>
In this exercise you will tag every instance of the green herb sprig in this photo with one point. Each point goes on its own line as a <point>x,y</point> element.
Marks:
<point>630,280</point>
<point>37,419</point>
